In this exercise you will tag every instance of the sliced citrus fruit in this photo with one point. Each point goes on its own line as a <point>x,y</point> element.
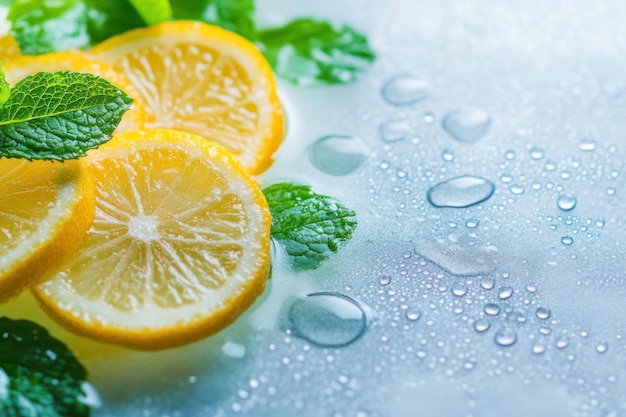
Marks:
<point>21,67</point>
<point>45,211</point>
<point>178,249</point>
<point>9,48</point>
<point>204,80</point>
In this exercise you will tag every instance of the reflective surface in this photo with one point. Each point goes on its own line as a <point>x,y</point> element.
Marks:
<point>514,304</point>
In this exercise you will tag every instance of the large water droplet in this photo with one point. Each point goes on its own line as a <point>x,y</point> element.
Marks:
<point>460,192</point>
<point>337,155</point>
<point>405,89</point>
<point>467,125</point>
<point>327,319</point>
<point>505,337</point>
<point>394,131</point>
<point>566,202</point>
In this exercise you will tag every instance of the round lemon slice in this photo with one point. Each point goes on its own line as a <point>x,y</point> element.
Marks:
<point>45,211</point>
<point>178,249</point>
<point>205,80</point>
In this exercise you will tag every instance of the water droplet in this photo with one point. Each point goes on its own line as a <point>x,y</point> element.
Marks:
<point>543,313</point>
<point>472,223</point>
<point>234,350</point>
<point>384,279</point>
<point>459,289</point>
<point>509,155</point>
<point>562,342</point>
<point>567,240</point>
<point>467,125</point>
<point>460,192</point>
<point>327,319</point>
<point>536,154</point>
<point>566,202</point>
<point>413,315</point>
<point>538,348</point>
<point>602,347</point>
<point>482,325</point>
<point>492,309</point>
<point>405,89</point>
<point>517,189</point>
<point>447,155</point>
<point>337,155</point>
<point>587,145</point>
<point>394,131</point>
<point>505,337</point>
<point>487,283</point>
<point>505,293</point>
<point>610,191</point>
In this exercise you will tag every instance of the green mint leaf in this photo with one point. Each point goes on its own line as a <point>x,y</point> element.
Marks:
<point>39,376</point>
<point>311,226</point>
<point>153,11</point>
<point>5,90</point>
<point>59,115</point>
<point>234,15</point>
<point>41,26</point>
<point>308,51</point>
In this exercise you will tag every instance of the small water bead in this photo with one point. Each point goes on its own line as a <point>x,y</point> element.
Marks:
<point>565,175</point>
<point>482,325</point>
<point>447,155</point>
<point>460,192</point>
<point>531,287</point>
<point>602,347</point>
<point>395,131</point>
<point>406,89</point>
<point>543,313</point>
<point>509,155</point>
<point>459,289</point>
<point>610,191</point>
<point>539,348</point>
<point>429,118</point>
<point>562,342</point>
<point>587,145</point>
<point>505,337</point>
<point>384,279</point>
<point>567,240</point>
<point>327,319</point>
<point>472,223</point>
<point>467,125</point>
<point>337,155</point>
<point>566,202</point>
<point>505,293</point>
<point>487,283</point>
<point>491,309</point>
<point>536,154</point>
<point>413,315</point>
<point>517,189</point>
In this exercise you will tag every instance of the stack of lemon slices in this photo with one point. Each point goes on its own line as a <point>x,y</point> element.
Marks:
<point>161,236</point>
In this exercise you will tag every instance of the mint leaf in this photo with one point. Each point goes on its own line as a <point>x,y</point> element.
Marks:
<point>41,26</point>
<point>311,226</point>
<point>39,376</point>
<point>153,11</point>
<point>5,90</point>
<point>234,15</point>
<point>59,115</point>
<point>308,51</point>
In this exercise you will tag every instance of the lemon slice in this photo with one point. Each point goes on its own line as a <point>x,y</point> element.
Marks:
<point>45,211</point>
<point>178,249</point>
<point>204,80</point>
<point>21,67</point>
